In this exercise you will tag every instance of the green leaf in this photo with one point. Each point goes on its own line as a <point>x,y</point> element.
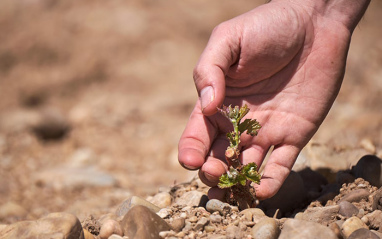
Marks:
<point>242,112</point>
<point>226,182</point>
<point>251,126</point>
<point>250,172</point>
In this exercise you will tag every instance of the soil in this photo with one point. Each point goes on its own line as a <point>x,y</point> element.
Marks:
<point>113,79</point>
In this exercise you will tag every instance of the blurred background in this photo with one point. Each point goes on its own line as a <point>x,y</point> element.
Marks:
<point>94,96</point>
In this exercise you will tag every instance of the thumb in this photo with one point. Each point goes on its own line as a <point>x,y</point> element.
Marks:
<point>210,71</point>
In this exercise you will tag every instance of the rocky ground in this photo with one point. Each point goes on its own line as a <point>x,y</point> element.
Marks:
<point>94,96</point>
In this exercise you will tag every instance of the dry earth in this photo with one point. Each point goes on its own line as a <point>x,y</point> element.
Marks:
<point>113,79</point>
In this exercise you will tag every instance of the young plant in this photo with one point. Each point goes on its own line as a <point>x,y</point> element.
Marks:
<point>239,177</point>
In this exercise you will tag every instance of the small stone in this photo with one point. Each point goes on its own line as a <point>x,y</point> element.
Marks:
<point>209,228</point>
<point>356,195</point>
<point>187,226</point>
<point>178,224</point>
<point>88,235</point>
<point>296,229</point>
<point>336,229</point>
<point>180,234</point>
<point>193,219</point>
<point>164,234</point>
<point>233,232</point>
<point>68,177</point>
<point>114,236</point>
<point>350,225</point>
<point>201,223</point>
<point>109,228</point>
<point>142,222</point>
<point>215,218</point>
<point>161,200</point>
<point>250,213</point>
<point>369,168</point>
<point>126,205</point>
<point>375,219</point>
<point>267,228</point>
<point>347,209</point>
<point>363,233</point>
<point>12,210</point>
<point>54,225</point>
<point>215,205</point>
<point>290,196</point>
<point>192,198</point>
<point>377,200</point>
<point>322,215</point>
<point>164,212</point>
<point>51,125</point>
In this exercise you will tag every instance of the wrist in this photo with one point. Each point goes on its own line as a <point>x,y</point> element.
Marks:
<point>345,12</point>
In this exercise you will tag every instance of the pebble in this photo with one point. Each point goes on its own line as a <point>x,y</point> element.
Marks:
<point>142,222</point>
<point>350,225</point>
<point>252,214</point>
<point>347,209</point>
<point>164,213</point>
<point>233,232</point>
<point>209,228</point>
<point>129,203</point>
<point>51,125</point>
<point>88,235</point>
<point>377,200</point>
<point>291,195</point>
<point>109,228</point>
<point>356,195</point>
<point>321,215</point>
<point>297,229</point>
<point>201,223</point>
<point>267,228</point>
<point>161,200</point>
<point>215,218</point>
<point>192,198</point>
<point>178,224</point>
<point>363,233</point>
<point>54,225</point>
<point>115,237</point>
<point>375,219</point>
<point>215,205</point>
<point>68,177</point>
<point>12,210</point>
<point>369,167</point>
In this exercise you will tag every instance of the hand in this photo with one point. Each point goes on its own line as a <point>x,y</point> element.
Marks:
<point>286,62</point>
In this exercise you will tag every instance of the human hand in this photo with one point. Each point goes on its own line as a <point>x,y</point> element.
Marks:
<point>285,61</point>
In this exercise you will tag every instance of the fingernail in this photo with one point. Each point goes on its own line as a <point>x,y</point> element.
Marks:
<point>206,96</point>
<point>210,178</point>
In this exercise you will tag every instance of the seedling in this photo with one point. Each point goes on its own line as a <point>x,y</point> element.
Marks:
<point>238,177</point>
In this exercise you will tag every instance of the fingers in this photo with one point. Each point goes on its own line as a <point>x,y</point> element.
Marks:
<point>276,170</point>
<point>196,140</point>
<point>209,74</point>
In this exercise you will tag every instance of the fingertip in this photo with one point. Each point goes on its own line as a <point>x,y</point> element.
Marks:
<point>190,159</point>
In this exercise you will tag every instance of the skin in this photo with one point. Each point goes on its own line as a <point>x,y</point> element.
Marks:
<point>286,61</point>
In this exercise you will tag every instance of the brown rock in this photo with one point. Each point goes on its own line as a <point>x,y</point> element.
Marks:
<point>369,168</point>
<point>322,215</point>
<point>363,233</point>
<point>356,195</point>
<point>141,222</point>
<point>54,225</point>
<point>347,209</point>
